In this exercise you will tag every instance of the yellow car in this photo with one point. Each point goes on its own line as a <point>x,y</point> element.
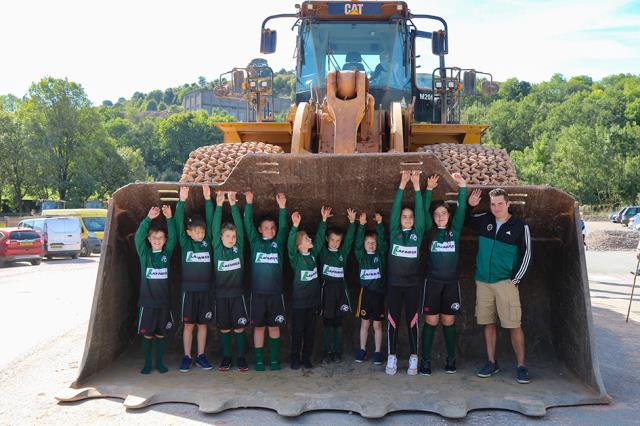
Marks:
<point>92,221</point>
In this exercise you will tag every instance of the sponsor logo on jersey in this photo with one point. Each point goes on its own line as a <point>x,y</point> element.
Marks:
<point>274,245</point>
<point>443,247</point>
<point>344,308</point>
<point>157,274</point>
<point>198,257</point>
<point>455,306</point>
<point>341,259</point>
<point>169,325</point>
<point>266,257</point>
<point>333,271</point>
<point>242,321</point>
<point>163,259</point>
<point>235,249</point>
<point>229,265</point>
<point>309,275</point>
<point>370,274</point>
<point>208,315</point>
<point>403,251</point>
<point>413,237</point>
<point>279,319</point>
<point>376,260</point>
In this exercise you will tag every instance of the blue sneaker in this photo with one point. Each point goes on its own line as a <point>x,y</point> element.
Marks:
<point>185,365</point>
<point>489,369</point>
<point>377,358</point>
<point>360,355</point>
<point>522,375</point>
<point>201,360</point>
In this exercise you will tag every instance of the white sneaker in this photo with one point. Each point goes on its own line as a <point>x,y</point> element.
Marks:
<point>392,365</point>
<point>413,365</point>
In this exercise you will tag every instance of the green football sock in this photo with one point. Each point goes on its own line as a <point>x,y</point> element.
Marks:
<point>337,345</point>
<point>240,343</point>
<point>427,341</point>
<point>259,359</point>
<point>274,346</point>
<point>160,345</point>
<point>327,338</point>
<point>225,341</point>
<point>449,332</point>
<point>146,348</point>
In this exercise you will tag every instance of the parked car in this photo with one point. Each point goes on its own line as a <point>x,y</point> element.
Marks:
<point>613,217</point>
<point>20,245</point>
<point>627,214</point>
<point>92,221</point>
<point>634,222</point>
<point>61,236</point>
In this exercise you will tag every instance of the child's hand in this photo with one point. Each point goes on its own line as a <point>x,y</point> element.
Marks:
<point>166,211</point>
<point>206,192</point>
<point>432,181</point>
<point>296,218</point>
<point>363,218</point>
<point>219,198</point>
<point>351,214</point>
<point>405,177</point>
<point>459,180</point>
<point>184,193</point>
<point>475,197</point>
<point>153,213</point>
<point>415,179</point>
<point>378,218</point>
<point>249,197</point>
<point>325,212</point>
<point>232,196</point>
<point>281,199</point>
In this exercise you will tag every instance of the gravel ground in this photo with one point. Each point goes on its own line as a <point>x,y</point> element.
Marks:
<point>605,236</point>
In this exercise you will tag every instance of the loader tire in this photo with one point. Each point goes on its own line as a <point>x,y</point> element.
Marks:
<point>478,164</point>
<point>214,163</point>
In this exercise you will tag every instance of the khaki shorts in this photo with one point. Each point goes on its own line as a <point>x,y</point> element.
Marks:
<point>503,297</point>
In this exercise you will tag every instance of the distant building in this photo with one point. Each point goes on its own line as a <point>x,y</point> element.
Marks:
<point>204,99</point>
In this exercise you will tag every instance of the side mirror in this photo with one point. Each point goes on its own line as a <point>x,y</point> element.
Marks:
<point>268,41</point>
<point>469,83</point>
<point>237,81</point>
<point>439,43</point>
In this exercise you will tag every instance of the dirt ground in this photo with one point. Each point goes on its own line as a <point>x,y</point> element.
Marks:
<point>605,235</point>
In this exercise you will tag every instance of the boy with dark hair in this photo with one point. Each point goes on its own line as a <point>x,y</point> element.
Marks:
<point>502,262</point>
<point>306,288</point>
<point>267,256</point>
<point>228,256</point>
<point>154,313</point>
<point>405,271</point>
<point>332,257</point>
<point>371,250</point>
<point>197,306</point>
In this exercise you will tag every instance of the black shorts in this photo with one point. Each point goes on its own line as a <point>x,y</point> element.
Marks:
<point>335,301</point>
<point>231,312</point>
<point>197,307</point>
<point>370,305</point>
<point>267,310</point>
<point>154,321</point>
<point>441,297</point>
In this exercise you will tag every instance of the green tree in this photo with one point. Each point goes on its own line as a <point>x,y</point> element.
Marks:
<point>16,161</point>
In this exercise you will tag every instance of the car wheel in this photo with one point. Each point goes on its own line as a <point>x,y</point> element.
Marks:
<point>75,255</point>
<point>84,250</point>
<point>2,263</point>
<point>36,262</point>
<point>48,257</point>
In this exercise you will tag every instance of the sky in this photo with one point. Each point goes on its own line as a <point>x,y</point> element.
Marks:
<point>117,47</point>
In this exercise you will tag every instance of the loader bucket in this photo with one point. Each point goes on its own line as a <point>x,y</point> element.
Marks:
<point>556,316</point>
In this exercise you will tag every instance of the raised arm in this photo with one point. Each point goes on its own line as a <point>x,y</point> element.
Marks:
<point>283,223</point>
<point>237,220</point>
<point>208,211</point>
<point>418,221</point>
<point>216,241</point>
<point>348,238</point>
<point>474,220</point>
<point>319,242</point>
<point>172,240</point>
<point>143,230</point>
<point>396,207</point>
<point>460,214</point>
<point>382,241</point>
<point>292,250</point>
<point>432,183</point>
<point>183,238</point>
<point>249,227</point>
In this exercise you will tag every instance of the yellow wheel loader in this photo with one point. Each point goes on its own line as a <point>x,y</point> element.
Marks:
<point>370,102</point>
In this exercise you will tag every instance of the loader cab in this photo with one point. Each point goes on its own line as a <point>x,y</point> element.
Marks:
<point>380,39</point>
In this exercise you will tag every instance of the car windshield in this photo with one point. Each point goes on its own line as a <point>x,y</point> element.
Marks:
<point>94,224</point>
<point>374,48</point>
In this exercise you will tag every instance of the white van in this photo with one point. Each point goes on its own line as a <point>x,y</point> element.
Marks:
<point>61,236</point>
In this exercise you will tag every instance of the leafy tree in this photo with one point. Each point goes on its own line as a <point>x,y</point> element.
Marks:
<point>151,105</point>
<point>15,158</point>
<point>9,103</point>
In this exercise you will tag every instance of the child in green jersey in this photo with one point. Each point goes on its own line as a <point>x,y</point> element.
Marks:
<point>371,251</point>
<point>332,258</point>
<point>228,257</point>
<point>197,306</point>
<point>267,245</point>
<point>441,296</point>
<point>154,313</point>
<point>306,288</point>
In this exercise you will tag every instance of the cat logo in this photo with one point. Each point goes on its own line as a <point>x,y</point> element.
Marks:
<point>353,9</point>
